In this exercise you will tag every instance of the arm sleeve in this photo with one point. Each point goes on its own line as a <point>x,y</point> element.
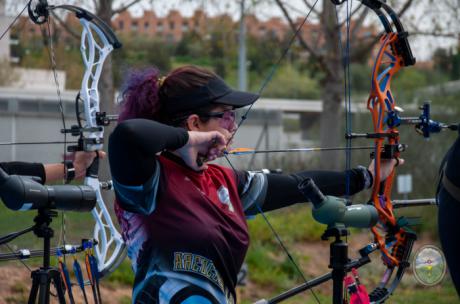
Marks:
<point>22,168</point>
<point>133,146</point>
<point>274,191</point>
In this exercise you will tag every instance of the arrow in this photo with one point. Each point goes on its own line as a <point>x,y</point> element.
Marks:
<point>244,151</point>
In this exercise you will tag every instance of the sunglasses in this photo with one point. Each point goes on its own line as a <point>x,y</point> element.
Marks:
<point>227,118</point>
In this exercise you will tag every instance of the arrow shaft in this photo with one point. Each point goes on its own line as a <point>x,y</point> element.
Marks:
<point>298,150</point>
<point>35,143</point>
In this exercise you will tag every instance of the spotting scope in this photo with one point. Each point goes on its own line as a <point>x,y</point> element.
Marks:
<point>331,210</point>
<point>24,193</point>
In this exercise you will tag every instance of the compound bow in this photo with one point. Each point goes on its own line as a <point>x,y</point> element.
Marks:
<point>391,235</point>
<point>97,41</point>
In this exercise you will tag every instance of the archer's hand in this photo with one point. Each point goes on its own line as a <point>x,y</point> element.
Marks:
<point>386,167</point>
<point>82,160</point>
<point>202,145</point>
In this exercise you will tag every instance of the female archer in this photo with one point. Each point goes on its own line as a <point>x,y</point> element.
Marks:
<point>184,220</point>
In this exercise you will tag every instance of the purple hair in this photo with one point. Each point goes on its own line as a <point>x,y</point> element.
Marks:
<point>140,95</point>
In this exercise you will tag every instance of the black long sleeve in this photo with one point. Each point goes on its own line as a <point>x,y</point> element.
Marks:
<point>23,168</point>
<point>449,211</point>
<point>282,190</point>
<point>134,144</point>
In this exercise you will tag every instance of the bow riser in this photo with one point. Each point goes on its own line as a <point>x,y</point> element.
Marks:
<point>380,104</point>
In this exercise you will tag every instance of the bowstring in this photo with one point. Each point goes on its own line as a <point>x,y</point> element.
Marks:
<point>345,59</point>
<point>349,126</point>
<point>20,260</point>
<point>52,57</point>
<point>348,119</point>
<point>345,55</point>
<point>14,20</point>
<point>273,69</point>
<point>265,82</point>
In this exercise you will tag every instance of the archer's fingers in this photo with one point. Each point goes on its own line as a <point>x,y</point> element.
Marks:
<point>216,152</point>
<point>218,139</point>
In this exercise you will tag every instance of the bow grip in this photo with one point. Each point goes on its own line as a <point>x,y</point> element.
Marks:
<point>93,169</point>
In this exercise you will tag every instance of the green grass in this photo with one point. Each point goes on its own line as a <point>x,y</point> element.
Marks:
<point>270,271</point>
<point>78,225</point>
<point>443,293</point>
<point>294,224</point>
<point>123,275</point>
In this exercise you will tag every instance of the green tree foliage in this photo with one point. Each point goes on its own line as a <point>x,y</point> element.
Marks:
<point>447,62</point>
<point>192,47</point>
<point>68,59</point>
<point>289,82</point>
<point>262,54</point>
<point>407,82</point>
<point>141,52</point>
<point>360,78</point>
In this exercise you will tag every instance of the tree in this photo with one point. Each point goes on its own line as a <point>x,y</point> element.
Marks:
<point>327,55</point>
<point>447,62</point>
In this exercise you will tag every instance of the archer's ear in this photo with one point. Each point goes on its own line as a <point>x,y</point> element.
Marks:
<point>193,123</point>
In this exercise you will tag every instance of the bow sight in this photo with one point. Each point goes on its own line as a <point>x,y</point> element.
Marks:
<point>424,125</point>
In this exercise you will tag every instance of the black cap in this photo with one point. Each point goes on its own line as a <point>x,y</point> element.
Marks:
<point>216,91</point>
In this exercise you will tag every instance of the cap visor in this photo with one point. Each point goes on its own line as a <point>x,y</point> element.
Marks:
<point>237,99</point>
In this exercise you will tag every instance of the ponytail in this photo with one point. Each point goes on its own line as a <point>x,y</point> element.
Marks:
<point>140,95</point>
<point>144,92</point>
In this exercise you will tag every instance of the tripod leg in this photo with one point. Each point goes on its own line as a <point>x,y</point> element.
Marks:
<point>337,286</point>
<point>339,259</point>
<point>34,289</point>
<point>57,281</point>
<point>44,287</point>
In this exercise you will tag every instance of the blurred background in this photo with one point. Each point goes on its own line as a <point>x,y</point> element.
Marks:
<point>302,105</point>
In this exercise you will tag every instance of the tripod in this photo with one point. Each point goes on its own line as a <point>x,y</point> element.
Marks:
<point>339,263</point>
<point>42,277</point>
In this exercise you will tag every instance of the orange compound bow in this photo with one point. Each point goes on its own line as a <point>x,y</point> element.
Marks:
<point>380,103</point>
<point>391,235</point>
